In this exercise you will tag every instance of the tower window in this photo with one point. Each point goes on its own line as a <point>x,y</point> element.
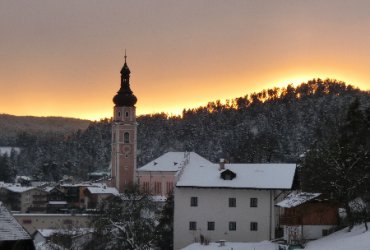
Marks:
<point>126,114</point>
<point>126,137</point>
<point>119,114</point>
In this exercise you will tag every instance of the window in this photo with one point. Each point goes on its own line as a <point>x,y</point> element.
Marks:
<point>232,202</point>
<point>194,201</point>
<point>27,221</point>
<point>254,226</point>
<point>146,187</point>
<point>126,137</point>
<point>158,187</point>
<point>211,226</point>
<point>192,225</point>
<point>232,226</point>
<point>126,114</point>
<point>254,202</point>
<point>119,114</point>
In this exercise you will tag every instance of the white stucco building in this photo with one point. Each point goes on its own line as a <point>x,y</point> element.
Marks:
<point>232,202</point>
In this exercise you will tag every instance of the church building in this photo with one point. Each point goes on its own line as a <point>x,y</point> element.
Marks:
<point>124,135</point>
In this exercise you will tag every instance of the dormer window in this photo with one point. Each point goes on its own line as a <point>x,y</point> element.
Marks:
<point>227,174</point>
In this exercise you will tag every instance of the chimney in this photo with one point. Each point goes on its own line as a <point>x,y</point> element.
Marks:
<point>222,164</point>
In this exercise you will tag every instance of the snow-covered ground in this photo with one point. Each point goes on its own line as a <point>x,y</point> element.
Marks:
<point>264,245</point>
<point>357,239</point>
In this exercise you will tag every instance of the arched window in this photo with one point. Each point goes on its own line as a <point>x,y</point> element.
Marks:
<point>126,114</point>
<point>126,137</point>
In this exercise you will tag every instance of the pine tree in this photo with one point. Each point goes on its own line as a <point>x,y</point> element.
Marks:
<point>340,165</point>
<point>164,230</point>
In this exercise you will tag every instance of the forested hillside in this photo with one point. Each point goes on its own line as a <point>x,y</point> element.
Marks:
<point>11,125</point>
<point>275,125</point>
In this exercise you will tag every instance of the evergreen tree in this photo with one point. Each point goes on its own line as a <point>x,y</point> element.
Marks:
<point>340,165</point>
<point>164,230</point>
<point>125,222</point>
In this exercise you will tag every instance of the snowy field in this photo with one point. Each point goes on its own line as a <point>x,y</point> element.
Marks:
<point>357,239</point>
<point>264,245</point>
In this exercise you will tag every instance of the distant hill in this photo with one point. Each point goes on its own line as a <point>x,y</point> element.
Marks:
<point>11,125</point>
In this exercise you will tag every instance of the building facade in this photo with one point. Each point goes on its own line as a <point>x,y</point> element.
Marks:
<point>231,202</point>
<point>124,135</point>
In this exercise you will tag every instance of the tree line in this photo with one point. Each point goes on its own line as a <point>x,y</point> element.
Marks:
<point>274,125</point>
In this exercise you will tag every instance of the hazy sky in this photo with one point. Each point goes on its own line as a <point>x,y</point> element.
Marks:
<point>62,58</point>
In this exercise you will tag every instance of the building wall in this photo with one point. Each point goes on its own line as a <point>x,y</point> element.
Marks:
<point>150,180</point>
<point>213,205</point>
<point>294,234</point>
<point>32,222</point>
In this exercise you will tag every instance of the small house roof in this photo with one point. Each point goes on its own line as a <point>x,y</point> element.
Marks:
<point>103,190</point>
<point>296,199</point>
<point>18,189</point>
<point>10,229</point>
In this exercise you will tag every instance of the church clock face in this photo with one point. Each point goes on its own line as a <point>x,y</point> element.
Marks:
<point>126,149</point>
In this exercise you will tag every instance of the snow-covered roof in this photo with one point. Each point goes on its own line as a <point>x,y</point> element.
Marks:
<point>57,203</point>
<point>8,150</point>
<point>250,176</point>
<point>10,229</point>
<point>103,190</point>
<point>172,161</point>
<point>296,199</point>
<point>50,232</point>
<point>18,189</point>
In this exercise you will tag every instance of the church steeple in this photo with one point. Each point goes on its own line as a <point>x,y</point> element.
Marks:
<point>124,134</point>
<point>125,96</point>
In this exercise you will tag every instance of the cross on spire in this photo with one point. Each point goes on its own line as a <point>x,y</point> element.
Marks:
<point>125,56</point>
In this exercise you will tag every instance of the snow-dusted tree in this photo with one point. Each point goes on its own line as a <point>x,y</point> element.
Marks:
<point>125,222</point>
<point>340,165</point>
<point>164,229</point>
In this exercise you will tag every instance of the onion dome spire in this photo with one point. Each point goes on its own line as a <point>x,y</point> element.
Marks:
<point>125,96</point>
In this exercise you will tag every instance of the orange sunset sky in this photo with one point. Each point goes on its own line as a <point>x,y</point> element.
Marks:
<point>62,58</point>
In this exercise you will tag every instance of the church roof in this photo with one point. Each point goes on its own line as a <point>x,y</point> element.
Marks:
<point>125,96</point>
<point>172,162</point>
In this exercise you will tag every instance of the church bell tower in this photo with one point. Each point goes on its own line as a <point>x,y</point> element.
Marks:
<point>124,134</point>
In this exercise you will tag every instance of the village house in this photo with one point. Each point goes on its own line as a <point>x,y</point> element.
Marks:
<point>231,202</point>
<point>96,195</point>
<point>24,199</point>
<point>56,200</point>
<point>307,216</point>
<point>159,176</point>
